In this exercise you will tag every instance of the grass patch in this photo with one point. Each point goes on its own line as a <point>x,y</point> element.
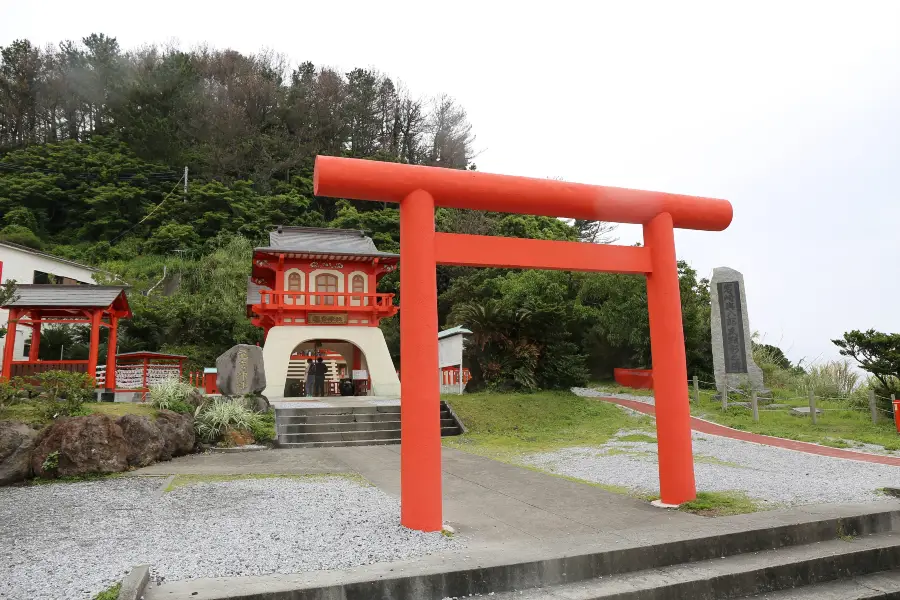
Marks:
<point>504,426</point>
<point>183,480</point>
<point>637,437</point>
<point>834,428</point>
<point>30,414</point>
<point>110,593</point>
<point>720,504</point>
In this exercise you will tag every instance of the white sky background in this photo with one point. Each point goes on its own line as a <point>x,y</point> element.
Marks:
<point>790,110</point>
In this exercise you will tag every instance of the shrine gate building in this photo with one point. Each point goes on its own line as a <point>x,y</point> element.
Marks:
<point>315,288</point>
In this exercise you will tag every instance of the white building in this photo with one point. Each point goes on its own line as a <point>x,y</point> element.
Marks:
<point>25,265</point>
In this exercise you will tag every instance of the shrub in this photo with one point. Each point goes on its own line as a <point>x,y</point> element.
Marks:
<point>212,421</point>
<point>263,427</point>
<point>833,379</point>
<point>14,391</point>
<point>63,393</point>
<point>171,394</point>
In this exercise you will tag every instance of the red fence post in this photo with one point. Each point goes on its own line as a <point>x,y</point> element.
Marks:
<point>420,426</point>
<point>673,416</point>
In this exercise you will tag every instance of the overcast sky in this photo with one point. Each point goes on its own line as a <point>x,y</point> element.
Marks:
<point>790,110</point>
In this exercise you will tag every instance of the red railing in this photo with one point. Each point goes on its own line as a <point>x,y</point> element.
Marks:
<point>26,369</point>
<point>327,301</point>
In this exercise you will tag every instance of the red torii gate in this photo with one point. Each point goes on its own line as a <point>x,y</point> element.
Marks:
<point>419,189</point>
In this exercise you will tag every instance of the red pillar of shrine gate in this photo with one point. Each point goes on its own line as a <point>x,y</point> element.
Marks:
<point>673,413</point>
<point>420,422</point>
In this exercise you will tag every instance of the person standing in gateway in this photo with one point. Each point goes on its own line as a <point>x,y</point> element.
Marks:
<point>319,380</point>
<point>308,384</point>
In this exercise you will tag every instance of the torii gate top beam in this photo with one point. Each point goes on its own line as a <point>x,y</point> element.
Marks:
<point>392,182</point>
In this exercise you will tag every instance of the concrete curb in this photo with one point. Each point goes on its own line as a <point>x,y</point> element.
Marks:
<point>135,583</point>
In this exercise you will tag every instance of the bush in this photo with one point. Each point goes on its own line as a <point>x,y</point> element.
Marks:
<point>833,379</point>
<point>263,427</point>
<point>14,391</point>
<point>214,420</point>
<point>171,394</point>
<point>63,394</point>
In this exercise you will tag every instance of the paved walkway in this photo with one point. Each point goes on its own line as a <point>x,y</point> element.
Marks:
<point>735,434</point>
<point>487,500</point>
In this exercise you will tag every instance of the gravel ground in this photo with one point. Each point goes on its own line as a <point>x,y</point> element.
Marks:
<point>775,476</point>
<point>73,540</point>
<point>592,393</point>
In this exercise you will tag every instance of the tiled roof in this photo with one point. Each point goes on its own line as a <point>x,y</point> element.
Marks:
<point>318,240</point>
<point>65,295</point>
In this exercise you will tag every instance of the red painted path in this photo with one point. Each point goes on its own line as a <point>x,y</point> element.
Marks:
<point>735,434</point>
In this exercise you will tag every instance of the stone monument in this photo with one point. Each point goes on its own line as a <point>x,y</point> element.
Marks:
<point>240,371</point>
<point>732,354</point>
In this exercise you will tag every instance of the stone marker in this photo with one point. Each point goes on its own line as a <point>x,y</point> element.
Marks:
<point>732,354</point>
<point>803,411</point>
<point>240,371</point>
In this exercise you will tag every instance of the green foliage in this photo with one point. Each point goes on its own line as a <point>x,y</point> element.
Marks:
<point>876,352</point>
<point>212,421</point>
<point>171,394</point>
<point>14,391</point>
<point>263,427</point>
<point>16,234</point>
<point>110,593</point>
<point>63,394</point>
<point>720,504</point>
<point>51,462</point>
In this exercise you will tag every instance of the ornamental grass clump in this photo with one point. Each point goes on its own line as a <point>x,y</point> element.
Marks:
<point>214,421</point>
<point>171,394</point>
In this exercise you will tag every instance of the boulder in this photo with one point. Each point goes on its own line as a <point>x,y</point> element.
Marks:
<point>259,404</point>
<point>92,444</point>
<point>16,445</point>
<point>240,371</point>
<point>145,440</point>
<point>177,433</point>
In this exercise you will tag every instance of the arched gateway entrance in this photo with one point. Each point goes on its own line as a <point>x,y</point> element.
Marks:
<point>419,190</point>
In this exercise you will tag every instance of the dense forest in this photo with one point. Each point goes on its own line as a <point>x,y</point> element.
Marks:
<point>94,142</point>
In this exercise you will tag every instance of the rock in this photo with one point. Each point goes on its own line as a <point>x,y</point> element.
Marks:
<point>258,404</point>
<point>92,444</point>
<point>177,433</point>
<point>16,445</point>
<point>803,411</point>
<point>145,440</point>
<point>240,371</point>
<point>196,398</point>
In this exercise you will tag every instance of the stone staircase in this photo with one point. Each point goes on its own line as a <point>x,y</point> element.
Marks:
<point>348,426</point>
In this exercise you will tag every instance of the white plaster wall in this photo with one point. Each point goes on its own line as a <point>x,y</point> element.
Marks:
<point>20,266</point>
<point>282,340</point>
<point>450,350</point>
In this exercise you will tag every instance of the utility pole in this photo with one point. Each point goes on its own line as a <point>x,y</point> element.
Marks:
<point>185,182</point>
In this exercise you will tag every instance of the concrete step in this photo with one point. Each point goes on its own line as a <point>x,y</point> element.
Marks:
<point>337,410</point>
<point>884,585</point>
<point>336,444</point>
<point>347,418</point>
<point>336,436</point>
<point>738,576</point>
<point>324,427</point>
<point>331,427</point>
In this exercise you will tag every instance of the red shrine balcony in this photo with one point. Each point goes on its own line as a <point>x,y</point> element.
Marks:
<point>323,308</point>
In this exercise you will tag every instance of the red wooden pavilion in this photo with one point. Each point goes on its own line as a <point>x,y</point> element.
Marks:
<point>35,305</point>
